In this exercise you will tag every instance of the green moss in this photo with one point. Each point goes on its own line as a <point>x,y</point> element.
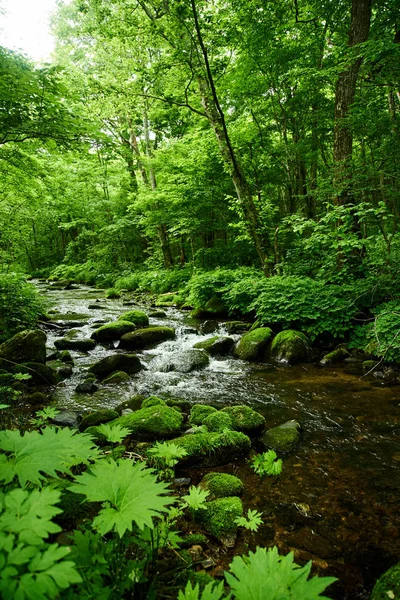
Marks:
<point>137,317</point>
<point>116,362</point>
<point>116,377</point>
<point>153,401</point>
<point>183,405</point>
<point>245,419</point>
<point>199,412</point>
<point>112,294</point>
<point>194,539</point>
<point>335,356</point>
<point>112,331</point>
<point>133,403</point>
<point>154,421</point>
<point>221,485</point>
<point>205,344</point>
<point>97,418</point>
<point>143,338</point>
<point>213,449</point>
<point>388,585</point>
<point>283,438</point>
<point>253,344</point>
<point>219,516</point>
<point>167,300</point>
<point>218,421</point>
<point>26,346</point>
<point>40,374</point>
<point>80,345</point>
<point>216,345</point>
<point>291,346</point>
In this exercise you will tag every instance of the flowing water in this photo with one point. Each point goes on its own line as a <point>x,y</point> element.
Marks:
<point>337,499</point>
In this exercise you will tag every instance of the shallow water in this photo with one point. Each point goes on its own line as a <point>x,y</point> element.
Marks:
<point>337,499</point>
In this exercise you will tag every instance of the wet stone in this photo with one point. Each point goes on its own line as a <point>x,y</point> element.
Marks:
<point>86,387</point>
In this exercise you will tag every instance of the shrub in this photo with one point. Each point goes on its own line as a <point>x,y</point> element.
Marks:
<point>20,305</point>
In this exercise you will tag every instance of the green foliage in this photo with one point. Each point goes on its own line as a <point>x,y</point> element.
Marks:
<point>20,305</point>
<point>380,337</point>
<point>212,591</point>
<point>44,415</point>
<point>215,284</point>
<point>130,492</point>
<point>167,453</point>
<point>113,433</point>
<point>267,463</point>
<point>251,522</point>
<point>265,574</point>
<point>156,282</point>
<point>28,458</point>
<point>196,499</point>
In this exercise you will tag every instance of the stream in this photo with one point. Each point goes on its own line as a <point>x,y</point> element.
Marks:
<point>336,501</point>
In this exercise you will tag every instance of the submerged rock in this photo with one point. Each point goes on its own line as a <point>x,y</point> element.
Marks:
<point>291,346</point>
<point>185,362</point>
<point>388,585</point>
<point>245,419</point>
<point>282,438</point>
<point>129,363</point>
<point>233,327</point>
<point>144,338</point>
<point>154,422</point>
<point>112,331</point>
<point>253,344</point>
<point>25,346</point>
<point>213,449</point>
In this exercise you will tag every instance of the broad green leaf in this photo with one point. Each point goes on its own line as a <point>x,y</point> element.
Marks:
<point>113,433</point>
<point>252,522</point>
<point>132,491</point>
<point>51,451</point>
<point>196,498</point>
<point>212,591</point>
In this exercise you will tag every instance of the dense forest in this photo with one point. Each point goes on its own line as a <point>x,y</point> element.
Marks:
<point>231,157</point>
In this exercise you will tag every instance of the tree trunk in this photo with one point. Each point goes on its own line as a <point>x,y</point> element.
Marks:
<point>344,97</point>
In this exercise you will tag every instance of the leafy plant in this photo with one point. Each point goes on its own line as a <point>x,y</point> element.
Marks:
<point>44,415</point>
<point>196,499</point>
<point>265,574</point>
<point>267,463</point>
<point>252,522</point>
<point>113,433</point>
<point>165,456</point>
<point>212,591</point>
<point>20,305</point>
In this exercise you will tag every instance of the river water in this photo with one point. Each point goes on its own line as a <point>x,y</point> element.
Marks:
<point>337,499</point>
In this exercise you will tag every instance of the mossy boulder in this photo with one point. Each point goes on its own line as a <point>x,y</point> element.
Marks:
<point>291,346</point>
<point>185,361</point>
<point>253,344</point>
<point>199,412</point>
<point>97,418</point>
<point>213,308</point>
<point>137,317</point>
<point>169,299</point>
<point>219,516</point>
<point>153,422</point>
<point>40,374</point>
<point>133,403</point>
<point>25,346</point>
<point>218,421</point>
<point>213,449</point>
<point>112,331</point>
<point>35,399</point>
<point>153,401</point>
<point>145,338</point>
<point>116,377</point>
<point>283,438</point>
<point>388,585</point>
<point>335,356</point>
<point>221,485</point>
<point>217,345</point>
<point>81,345</point>
<point>129,363</point>
<point>112,294</point>
<point>245,419</point>
<point>233,327</point>
<point>65,357</point>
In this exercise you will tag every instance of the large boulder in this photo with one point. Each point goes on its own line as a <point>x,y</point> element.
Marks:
<point>81,345</point>
<point>245,419</point>
<point>282,438</point>
<point>199,412</point>
<point>25,346</point>
<point>154,422</point>
<point>184,362</point>
<point>39,373</point>
<point>219,516</point>
<point>388,585</point>
<point>213,449</point>
<point>253,344</point>
<point>97,418</point>
<point>129,363</point>
<point>145,338</point>
<point>218,421</point>
<point>137,317</point>
<point>291,346</point>
<point>217,345</point>
<point>112,331</point>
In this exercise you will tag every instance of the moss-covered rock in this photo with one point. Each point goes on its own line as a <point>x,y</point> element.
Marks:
<point>116,377</point>
<point>65,357</point>
<point>199,412</point>
<point>153,401</point>
<point>112,331</point>
<point>81,345</point>
<point>218,421</point>
<point>183,405</point>
<point>217,345</point>
<point>158,314</point>
<point>145,338</point>
<point>137,317</point>
<point>221,485</point>
<point>252,345</point>
<point>25,346</point>
<point>133,403</point>
<point>213,308</point>
<point>233,327</point>
<point>153,422</point>
<point>291,346</point>
<point>40,374</point>
<point>219,516</point>
<point>213,449</point>
<point>129,363</point>
<point>112,294</point>
<point>282,438</point>
<point>335,356</point>
<point>36,399</point>
<point>97,418</point>
<point>245,419</point>
<point>194,539</point>
<point>388,585</point>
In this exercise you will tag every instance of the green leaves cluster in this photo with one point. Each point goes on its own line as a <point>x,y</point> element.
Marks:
<point>267,463</point>
<point>20,305</point>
